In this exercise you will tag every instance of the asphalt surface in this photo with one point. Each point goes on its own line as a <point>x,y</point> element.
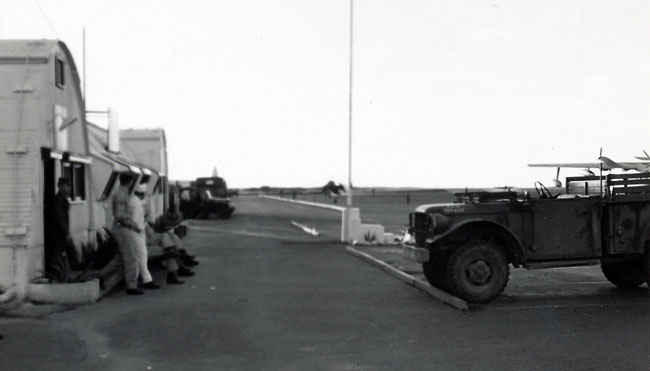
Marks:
<point>269,297</point>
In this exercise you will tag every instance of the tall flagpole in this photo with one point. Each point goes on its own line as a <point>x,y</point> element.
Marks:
<point>350,79</point>
<point>83,48</point>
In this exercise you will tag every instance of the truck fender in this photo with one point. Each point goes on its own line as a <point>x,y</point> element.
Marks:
<point>508,240</point>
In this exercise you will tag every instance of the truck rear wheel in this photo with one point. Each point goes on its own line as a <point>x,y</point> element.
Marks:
<point>625,274</point>
<point>477,271</point>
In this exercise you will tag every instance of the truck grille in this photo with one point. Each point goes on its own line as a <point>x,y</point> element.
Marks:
<point>420,225</point>
<point>420,221</point>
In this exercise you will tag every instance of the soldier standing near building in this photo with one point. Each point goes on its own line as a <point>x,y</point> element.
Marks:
<point>57,266</point>
<point>141,238</point>
<point>128,233</point>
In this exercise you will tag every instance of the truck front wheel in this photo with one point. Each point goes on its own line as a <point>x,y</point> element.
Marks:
<point>625,274</point>
<point>435,269</point>
<point>477,271</point>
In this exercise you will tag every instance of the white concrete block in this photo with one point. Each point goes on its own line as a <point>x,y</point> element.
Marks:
<point>350,224</point>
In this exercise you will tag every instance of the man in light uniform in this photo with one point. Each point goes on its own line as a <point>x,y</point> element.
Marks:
<point>129,234</point>
<point>141,240</point>
<point>167,241</point>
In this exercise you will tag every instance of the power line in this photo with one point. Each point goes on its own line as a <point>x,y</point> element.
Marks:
<point>47,18</point>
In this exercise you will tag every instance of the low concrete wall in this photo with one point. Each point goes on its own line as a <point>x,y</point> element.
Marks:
<point>306,203</point>
<point>344,212</point>
<point>352,229</point>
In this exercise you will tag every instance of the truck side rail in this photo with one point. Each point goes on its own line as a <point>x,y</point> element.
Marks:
<point>634,186</point>
<point>629,186</point>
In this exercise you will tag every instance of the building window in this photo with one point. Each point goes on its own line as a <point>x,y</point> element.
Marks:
<point>77,174</point>
<point>59,73</point>
<point>79,181</point>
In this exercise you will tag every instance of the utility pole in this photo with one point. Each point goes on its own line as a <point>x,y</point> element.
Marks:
<point>350,86</point>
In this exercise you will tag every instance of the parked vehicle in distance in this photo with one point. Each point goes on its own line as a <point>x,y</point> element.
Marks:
<point>206,198</point>
<point>466,247</point>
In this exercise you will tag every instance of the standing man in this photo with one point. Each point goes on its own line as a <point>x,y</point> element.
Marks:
<point>127,232</point>
<point>141,237</point>
<point>57,266</point>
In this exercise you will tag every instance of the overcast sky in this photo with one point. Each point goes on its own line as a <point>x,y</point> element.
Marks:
<point>447,93</point>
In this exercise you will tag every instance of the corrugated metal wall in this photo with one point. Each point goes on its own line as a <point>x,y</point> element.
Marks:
<point>18,201</point>
<point>24,100</point>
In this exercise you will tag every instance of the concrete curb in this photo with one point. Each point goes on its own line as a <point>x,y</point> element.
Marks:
<point>443,296</point>
<point>64,293</point>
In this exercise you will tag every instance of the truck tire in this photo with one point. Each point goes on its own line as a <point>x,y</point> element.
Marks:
<point>478,271</point>
<point>626,274</point>
<point>435,270</point>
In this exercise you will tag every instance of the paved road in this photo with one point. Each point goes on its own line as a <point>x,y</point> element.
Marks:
<point>268,297</point>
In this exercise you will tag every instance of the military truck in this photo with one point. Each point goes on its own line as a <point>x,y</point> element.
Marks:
<point>467,247</point>
<point>206,198</point>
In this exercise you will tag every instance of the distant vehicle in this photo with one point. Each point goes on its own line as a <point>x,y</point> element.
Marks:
<point>465,247</point>
<point>333,190</point>
<point>206,198</point>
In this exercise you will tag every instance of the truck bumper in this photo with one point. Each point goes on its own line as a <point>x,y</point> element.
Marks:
<point>417,254</point>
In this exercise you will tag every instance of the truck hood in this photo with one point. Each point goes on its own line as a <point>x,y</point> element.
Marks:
<point>440,207</point>
<point>463,209</point>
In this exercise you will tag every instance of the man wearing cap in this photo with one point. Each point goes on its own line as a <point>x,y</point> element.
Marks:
<point>57,266</point>
<point>129,233</point>
<point>141,241</point>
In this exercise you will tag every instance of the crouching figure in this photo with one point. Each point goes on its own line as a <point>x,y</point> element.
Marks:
<point>174,257</point>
